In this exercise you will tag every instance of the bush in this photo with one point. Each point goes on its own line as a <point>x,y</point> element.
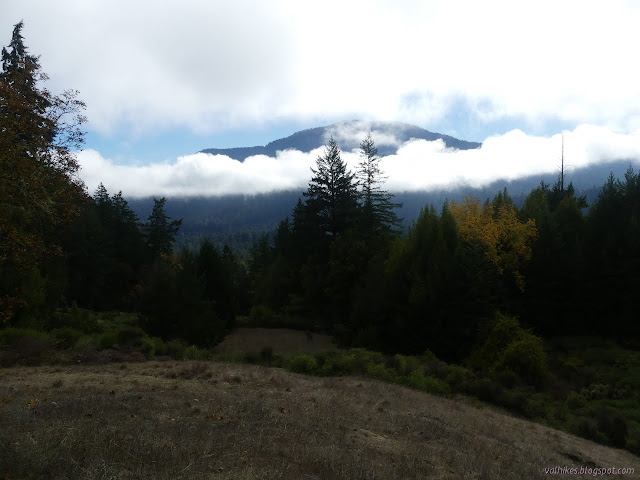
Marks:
<point>303,364</point>
<point>417,379</point>
<point>262,316</point>
<point>575,401</point>
<point>158,347</point>
<point>130,336</point>
<point>456,375</point>
<point>12,337</point>
<point>195,353</point>
<point>404,365</point>
<point>107,340</point>
<point>337,363</point>
<point>381,372</point>
<point>79,319</point>
<point>525,357</point>
<point>23,346</point>
<point>65,337</point>
<point>176,349</point>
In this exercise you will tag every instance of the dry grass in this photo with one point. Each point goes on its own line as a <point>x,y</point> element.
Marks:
<point>284,341</point>
<point>194,420</point>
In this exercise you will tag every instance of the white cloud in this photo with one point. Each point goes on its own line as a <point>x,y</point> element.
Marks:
<point>418,165</point>
<point>208,65</point>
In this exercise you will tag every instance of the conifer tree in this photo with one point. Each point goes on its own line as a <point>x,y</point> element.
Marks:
<point>378,208</point>
<point>160,229</point>
<point>40,192</point>
<point>332,194</point>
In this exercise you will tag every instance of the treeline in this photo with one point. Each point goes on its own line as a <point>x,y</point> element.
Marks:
<point>60,247</point>
<point>559,267</point>
<point>339,263</point>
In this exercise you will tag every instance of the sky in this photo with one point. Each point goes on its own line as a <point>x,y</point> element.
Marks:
<point>164,80</point>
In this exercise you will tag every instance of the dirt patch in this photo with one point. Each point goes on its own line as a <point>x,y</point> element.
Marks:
<point>283,341</point>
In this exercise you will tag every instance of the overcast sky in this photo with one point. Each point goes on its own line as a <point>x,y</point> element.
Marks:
<point>163,80</point>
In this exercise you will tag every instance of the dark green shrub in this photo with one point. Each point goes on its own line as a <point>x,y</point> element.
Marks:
<point>79,318</point>
<point>339,364</point>
<point>483,388</point>
<point>418,380</point>
<point>404,365</point>
<point>455,375</point>
<point>10,337</point>
<point>525,357</point>
<point>107,340</point>
<point>262,316</point>
<point>65,337</point>
<point>159,348</point>
<point>303,364</point>
<point>130,336</point>
<point>18,345</point>
<point>194,353</point>
<point>176,349</point>
<point>381,372</point>
<point>586,427</point>
<point>574,401</point>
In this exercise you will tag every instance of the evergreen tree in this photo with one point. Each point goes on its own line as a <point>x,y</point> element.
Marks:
<point>160,230</point>
<point>378,215</point>
<point>332,196</point>
<point>40,193</point>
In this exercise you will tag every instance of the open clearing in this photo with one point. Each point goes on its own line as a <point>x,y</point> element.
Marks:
<point>198,420</point>
<point>283,341</point>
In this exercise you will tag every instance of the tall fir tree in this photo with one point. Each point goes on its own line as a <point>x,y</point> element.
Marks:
<point>378,209</point>
<point>332,193</point>
<point>160,230</point>
<point>40,192</point>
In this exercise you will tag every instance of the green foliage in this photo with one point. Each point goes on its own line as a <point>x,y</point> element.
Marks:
<point>78,318</point>
<point>195,353</point>
<point>11,337</point>
<point>507,347</point>
<point>525,357</point>
<point>65,337</point>
<point>160,230</point>
<point>303,364</point>
<point>417,379</point>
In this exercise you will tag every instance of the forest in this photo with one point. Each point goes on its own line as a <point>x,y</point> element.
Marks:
<point>510,294</point>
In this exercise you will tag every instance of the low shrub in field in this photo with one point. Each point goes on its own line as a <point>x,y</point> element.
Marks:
<point>20,345</point>
<point>416,379</point>
<point>405,365</point>
<point>196,353</point>
<point>65,337</point>
<point>78,318</point>
<point>303,364</point>
<point>176,348</point>
<point>381,372</point>
<point>158,347</point>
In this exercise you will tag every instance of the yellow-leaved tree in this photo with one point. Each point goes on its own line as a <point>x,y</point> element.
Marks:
<point>506,239</point>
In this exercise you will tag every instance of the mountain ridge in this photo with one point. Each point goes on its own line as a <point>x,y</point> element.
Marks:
<point>390,136</point>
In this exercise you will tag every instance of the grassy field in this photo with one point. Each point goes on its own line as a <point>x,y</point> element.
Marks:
<point>200,420</point>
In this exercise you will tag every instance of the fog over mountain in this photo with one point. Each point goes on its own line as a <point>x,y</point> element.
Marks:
<point>234,200</point>
<point>410,164</point>
<point>389,136</point>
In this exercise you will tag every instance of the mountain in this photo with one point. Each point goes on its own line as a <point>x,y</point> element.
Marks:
<point>388,136</point>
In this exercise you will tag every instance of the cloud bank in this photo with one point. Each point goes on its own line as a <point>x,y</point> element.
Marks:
<point>144,66</point>
<point>418,165</point>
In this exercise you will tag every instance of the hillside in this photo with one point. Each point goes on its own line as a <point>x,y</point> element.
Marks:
<point>169,420</point>
<point>238,220</point>
<point>345,134</point>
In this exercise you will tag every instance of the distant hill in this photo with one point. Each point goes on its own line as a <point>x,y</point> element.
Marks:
<point>388,135</point>
<point>238,220</point>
